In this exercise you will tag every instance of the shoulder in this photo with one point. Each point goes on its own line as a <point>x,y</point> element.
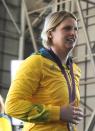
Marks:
<point>32,61</point>
<point>33,58</point>
<point>32,65</point>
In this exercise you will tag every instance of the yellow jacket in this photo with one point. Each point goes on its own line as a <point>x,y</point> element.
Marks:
<point>5,124</point>
<point>38,91</point>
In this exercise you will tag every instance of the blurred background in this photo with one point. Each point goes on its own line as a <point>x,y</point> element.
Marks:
<point>21,23</point>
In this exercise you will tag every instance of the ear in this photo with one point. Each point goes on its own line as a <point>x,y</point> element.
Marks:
<point>49,34</point>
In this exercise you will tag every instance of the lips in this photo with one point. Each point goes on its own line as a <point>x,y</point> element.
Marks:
<point>70,40</point>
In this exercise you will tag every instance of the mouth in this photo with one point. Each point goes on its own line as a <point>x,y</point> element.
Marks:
<point>70,40</point>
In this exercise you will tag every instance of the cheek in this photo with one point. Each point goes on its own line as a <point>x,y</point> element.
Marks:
<point>58,38</point>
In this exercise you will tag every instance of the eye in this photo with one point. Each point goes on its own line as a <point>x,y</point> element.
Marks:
<point>69,28</point>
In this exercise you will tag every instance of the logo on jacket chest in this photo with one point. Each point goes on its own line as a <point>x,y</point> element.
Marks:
<point>52,67</point>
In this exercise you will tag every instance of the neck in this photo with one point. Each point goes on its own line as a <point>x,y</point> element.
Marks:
<point>63,55</point>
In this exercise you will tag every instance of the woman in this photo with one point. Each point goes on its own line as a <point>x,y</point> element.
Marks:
<point>5,124</point>
<point>45,92</point>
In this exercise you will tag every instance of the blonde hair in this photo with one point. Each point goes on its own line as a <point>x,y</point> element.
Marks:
<point>1,105</point>
<point>51,22</point>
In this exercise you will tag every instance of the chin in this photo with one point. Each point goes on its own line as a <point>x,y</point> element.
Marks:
<point>70,46</point>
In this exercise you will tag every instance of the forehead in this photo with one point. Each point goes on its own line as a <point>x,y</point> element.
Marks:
<point>68,21</point>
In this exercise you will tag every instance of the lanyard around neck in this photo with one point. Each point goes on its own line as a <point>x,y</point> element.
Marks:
<point>70,90</point>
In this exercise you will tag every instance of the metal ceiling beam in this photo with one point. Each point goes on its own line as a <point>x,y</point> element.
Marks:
<point>91,123</point>
<point>86,34</point>
<point>90,2</point>
<point>11,17</point>
<point>21,38</point>
<point>46,7</point>
<point>41,14</point>
<point>86,106</point>
<point>30,27</point>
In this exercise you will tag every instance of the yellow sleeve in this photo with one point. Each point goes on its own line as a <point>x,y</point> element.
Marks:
<point>25,85</point>
<point>5,124</point>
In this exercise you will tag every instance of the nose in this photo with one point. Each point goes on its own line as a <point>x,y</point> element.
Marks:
<point>73,31</point>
